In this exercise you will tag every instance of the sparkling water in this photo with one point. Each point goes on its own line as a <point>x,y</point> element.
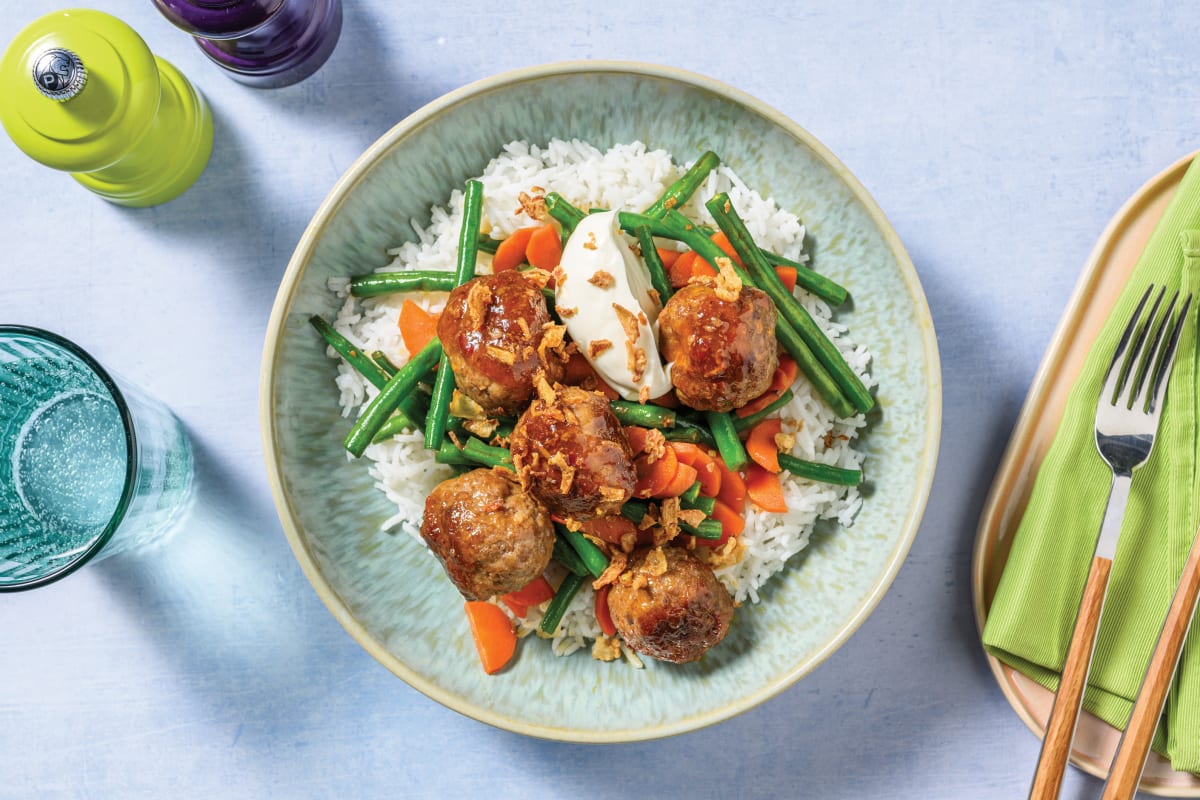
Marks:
<point>65,460</point>
<point>69,465</point>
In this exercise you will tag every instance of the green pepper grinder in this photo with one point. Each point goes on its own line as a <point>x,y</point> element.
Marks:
<point>84,94</point>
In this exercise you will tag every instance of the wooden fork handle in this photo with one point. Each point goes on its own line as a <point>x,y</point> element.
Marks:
<point>1060,730</point>
<point>1127,766</point>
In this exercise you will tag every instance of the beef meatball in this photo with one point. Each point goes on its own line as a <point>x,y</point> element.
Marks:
<point>572,454</point>
<point>492,330</point>
<point>489,534</point>
<point>668,605</point>
<point>723,349</point>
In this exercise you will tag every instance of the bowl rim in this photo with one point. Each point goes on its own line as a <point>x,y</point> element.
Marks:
<point>289,287</point>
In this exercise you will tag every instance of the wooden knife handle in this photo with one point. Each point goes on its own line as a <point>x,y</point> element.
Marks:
<point>1060,730</point>
<point>1126,770</point>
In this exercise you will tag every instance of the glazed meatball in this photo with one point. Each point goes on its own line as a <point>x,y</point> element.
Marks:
<point>669,605</point>
<point>492,331</point>
<point>572,454</point>
<point>489,534</point>
<point>724,351</point>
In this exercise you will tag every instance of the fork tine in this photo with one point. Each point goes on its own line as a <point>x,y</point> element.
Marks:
<point>1151,354</point>
<point>1166,360</point>
<point>1114,378</point>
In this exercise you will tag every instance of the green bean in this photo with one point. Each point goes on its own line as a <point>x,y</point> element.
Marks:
<point>346,349</point>
<point>700,503</point>
<point>450,453</point>
<point>389,397</point>
<point>417,280</point>
<point>849,384</point>
<point>687,431</point>
<point>654,264</point>
<point>486,454</point>
<point>468,250</point>
<point>487,244</point>
<point>824,288</point>
<point>728,444</point>
<point>708,529</point>
<point>691,493</point>
<point>746,423</point>
<point>823,473</point>
<point>412,409</point>
<point>439,406</point>
<point>558,606</point>
<point>384,363</point>
<point>635,511</point>
<point>568,216</point>
<point>566,555</point>
<point>396,423</point>
<point>593,557</point>
<point>642,414</point>
<point>678,193</point>
<point>629,222</point>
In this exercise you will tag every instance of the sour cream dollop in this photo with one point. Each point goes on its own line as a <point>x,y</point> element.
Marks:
<point>603,294</point>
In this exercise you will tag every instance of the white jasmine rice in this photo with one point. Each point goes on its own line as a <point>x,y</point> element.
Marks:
<point>627,176</point>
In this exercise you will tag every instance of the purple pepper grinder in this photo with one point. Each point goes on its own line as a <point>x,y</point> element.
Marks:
<point>261,43</point>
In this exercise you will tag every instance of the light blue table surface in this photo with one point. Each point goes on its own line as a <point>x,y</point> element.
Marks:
<point>999,138</point>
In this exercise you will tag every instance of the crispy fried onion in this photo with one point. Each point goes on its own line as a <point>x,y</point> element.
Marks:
<point>534,205</point>
<point>479,297</point>
<point>636,355</point>
<point>602,279</point>
<point>616,566</point>
<point>606,648</point>
<point>729,285</point>
<point>565,470</point>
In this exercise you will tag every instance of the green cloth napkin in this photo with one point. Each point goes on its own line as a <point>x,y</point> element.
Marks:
<point>1030,621</point>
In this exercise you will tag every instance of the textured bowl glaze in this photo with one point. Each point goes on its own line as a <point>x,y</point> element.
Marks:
<point>387,590</point>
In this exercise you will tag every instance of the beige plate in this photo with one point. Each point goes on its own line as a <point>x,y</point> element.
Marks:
<point>1103,278</point>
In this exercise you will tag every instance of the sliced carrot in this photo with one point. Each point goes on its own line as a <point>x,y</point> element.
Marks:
<point>786,373</point>
<point>788,276</point>
<point>685,476</point>
<point>731,521</point>
<point>544,249</point>
<point>764,489</point>
<point>761,447</point>
<point>510,254</point>
<point>680,271</point>
<point>579,372</point>
<point>417,326</point>
<point>704,464</point>
<point>637,438</point>
<point>667,257</point>
<point>689,265</point>
<point>577,369</point>
<point>654,478</point>
<point>610,529</point>
<point>722,241</point>
<point>492,630</point>
<point>603,615</point>
<point>759,403</point>
<point>733,488</point>
<point>532,594</point>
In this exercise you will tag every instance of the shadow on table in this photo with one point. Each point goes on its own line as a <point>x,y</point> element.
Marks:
<point>215,602</point>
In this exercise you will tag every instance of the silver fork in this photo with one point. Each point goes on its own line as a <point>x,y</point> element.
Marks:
<point>1126,424</point>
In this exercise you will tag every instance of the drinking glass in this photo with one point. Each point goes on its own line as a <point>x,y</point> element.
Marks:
<point>90,465</point>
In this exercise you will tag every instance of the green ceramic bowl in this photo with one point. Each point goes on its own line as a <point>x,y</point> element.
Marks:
<point>393,597</point>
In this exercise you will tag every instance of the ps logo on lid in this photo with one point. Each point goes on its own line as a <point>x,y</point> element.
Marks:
<point>59,74</point>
